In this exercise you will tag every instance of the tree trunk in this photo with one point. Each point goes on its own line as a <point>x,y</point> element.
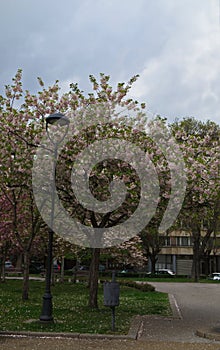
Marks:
<point>196,259</point>
<point>62,270</point>
<point>2,272</point>
<point>214,263</point>
<point>26,276</point>
<point>153,259</point>
<point>75,271</point>
<point>206,258</point>
<point>1,268</point>
<point>19,262</point>
<point>93,278</point>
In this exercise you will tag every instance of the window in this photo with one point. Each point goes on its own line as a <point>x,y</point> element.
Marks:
<point>167,242</point>
<point>184,241</point>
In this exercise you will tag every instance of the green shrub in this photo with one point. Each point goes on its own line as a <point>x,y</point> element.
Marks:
<point>144,287</point>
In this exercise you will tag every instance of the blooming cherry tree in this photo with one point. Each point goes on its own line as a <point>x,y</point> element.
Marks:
<point>200,146</point>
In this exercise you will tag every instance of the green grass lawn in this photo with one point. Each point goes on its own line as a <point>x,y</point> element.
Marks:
<point>70,310</point>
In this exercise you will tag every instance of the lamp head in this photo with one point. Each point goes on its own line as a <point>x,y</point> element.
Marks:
<point>58,118</point>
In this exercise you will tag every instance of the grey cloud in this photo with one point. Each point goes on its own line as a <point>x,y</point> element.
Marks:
<point>155,38</point>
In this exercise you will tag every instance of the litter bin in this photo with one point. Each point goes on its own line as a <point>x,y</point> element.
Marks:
<point>111,297</point>
<point>111,294</point>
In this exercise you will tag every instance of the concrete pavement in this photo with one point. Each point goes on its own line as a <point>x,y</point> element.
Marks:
<point>197,316</point>
<point>99,344</point>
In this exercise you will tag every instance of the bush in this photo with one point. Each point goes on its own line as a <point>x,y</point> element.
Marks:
<point>144,287</point>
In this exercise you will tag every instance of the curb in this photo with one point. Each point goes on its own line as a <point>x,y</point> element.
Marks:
<point>65,335</point>
<point>176,313</point>
<point>208,334</point>
<point>136,327</point>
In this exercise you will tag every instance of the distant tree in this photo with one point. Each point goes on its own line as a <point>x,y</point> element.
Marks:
<point>18,144</point>
<point>152,242</point>
<point>199,143</point>
<point>129,253</point>
<point>8,244</point>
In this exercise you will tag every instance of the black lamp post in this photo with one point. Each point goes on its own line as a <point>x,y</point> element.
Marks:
<point>57,119</point>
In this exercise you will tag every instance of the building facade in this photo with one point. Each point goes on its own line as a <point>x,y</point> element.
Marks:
<point>177,254</point>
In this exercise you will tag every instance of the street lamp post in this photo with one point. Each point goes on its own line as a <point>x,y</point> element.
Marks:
<point>57,119</point>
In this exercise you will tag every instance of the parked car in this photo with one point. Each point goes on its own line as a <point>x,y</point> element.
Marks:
<point>127,272</point>
<point>36,267</point>
<point>56,268</point>
<point>162,273</point>
<point>101,268</point>
<point>9,265</point>
<point>83,268</point>
<point>215,276</point>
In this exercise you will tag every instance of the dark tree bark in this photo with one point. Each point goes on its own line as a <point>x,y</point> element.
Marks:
<point>196,259</point>
<point>153,259</point>
<point>93,278</point>
<point>26,275</point>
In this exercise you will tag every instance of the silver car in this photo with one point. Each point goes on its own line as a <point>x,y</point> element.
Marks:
<point>8,265</point>
<point>215,276</point>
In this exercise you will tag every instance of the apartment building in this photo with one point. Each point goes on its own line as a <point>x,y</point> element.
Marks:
<point>177,254</point>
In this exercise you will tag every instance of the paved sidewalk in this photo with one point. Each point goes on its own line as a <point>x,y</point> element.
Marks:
<point>196,313</point>
<point>30,343</point>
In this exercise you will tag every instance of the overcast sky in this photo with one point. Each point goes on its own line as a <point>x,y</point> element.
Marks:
<point>173,44</point>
